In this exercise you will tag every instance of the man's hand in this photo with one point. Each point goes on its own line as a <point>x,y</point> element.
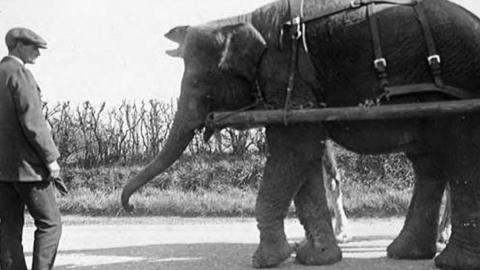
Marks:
<point>54,169</point>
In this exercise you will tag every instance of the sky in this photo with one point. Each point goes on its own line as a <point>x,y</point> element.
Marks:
<point>114,50</point>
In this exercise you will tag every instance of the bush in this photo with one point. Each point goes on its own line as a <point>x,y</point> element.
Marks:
<point>132,133</point>
<point>393,170</point>
<point>106,140</point>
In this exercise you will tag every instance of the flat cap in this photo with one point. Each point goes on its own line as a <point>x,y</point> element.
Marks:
<point>25,35</point>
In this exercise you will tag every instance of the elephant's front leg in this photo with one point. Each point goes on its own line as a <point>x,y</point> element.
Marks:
<point>274,198</point>
<point>320,246</point>
<point>273,201</point>
<point>417,239</point>
<point>294,152</point>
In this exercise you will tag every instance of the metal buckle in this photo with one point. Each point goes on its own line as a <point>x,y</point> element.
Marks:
<point>433,58</point>
<point>297,22</point>
<point>355,4</point>
<point>378,62</point>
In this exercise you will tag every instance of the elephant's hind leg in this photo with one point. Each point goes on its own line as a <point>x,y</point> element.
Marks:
<point>463,248</point>
<point>417,239</point>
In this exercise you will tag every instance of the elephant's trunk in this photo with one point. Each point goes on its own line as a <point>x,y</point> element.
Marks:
<point>181,133</point>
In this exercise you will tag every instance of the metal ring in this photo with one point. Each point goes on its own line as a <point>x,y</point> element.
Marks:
<point>432,58</point>
<point>380,61</point>
<point>355,4</point>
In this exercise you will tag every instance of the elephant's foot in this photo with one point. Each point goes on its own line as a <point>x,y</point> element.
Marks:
<point>314,251</point>
<point>463,248</point>
<point>410,246</point>
<point>454,257</point>
<point>271,253</point>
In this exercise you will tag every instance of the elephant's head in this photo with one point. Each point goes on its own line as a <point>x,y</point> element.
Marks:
<point>220,69</point>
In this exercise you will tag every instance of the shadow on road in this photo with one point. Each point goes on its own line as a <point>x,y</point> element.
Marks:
<point>211,256</point>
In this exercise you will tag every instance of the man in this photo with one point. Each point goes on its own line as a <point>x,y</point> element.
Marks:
<point>27,158</point>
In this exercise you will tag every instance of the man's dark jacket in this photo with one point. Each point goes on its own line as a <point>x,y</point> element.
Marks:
<point>26,145</point>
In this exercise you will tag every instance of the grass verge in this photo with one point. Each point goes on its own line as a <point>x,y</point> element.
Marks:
<point>226,186</point>
<point>359,201</point>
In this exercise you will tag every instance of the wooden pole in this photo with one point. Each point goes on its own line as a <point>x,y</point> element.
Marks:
<point>398,111</point>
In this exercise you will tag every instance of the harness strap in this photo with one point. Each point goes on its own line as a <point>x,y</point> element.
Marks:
<point>297,35</point>
<point>433,58</point>
<point>291,78</point>
<point>380,63</point>
<point>411,89</point>
<point>296,27</point>
<point>355,4</point>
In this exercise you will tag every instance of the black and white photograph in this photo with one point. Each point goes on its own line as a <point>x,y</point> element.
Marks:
<point>240,134</point>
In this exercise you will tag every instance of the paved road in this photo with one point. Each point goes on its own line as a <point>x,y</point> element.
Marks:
<point>210,244</point>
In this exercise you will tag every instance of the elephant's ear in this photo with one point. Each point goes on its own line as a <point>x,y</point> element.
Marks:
<point>178,35</point>
<point>243,47</point>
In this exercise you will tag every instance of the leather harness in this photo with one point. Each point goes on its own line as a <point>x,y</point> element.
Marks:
<point>296,26</point>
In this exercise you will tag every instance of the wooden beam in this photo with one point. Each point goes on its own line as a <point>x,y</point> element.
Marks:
<point>248,119</point>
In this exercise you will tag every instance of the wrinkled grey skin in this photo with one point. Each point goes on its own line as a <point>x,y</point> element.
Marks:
<point>220,65</point>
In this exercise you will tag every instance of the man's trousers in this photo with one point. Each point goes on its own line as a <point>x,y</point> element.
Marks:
<point>39,198</point>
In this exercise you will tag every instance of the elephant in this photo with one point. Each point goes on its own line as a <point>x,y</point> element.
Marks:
<point>335,54</point>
